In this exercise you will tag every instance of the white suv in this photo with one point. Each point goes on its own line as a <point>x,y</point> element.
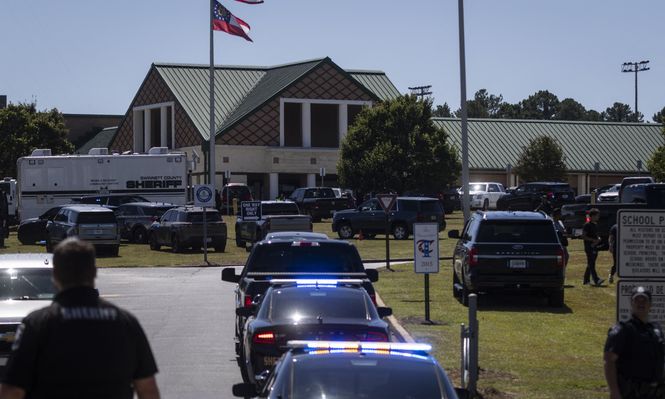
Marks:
<point>483,195</point>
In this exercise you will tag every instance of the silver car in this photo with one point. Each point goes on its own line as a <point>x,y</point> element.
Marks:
<point>95,224</point>
<point>25,286</point>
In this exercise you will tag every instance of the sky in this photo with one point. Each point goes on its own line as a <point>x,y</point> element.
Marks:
<point>90,57</point>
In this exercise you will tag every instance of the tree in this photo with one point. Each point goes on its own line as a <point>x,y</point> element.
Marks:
<point>541,105</point>
<point>656,164</point>
<point>395,146</point>
<point>620,112</point>
<point>570,110</point>
<point>23,128</point>
<point>542,159</point>
<point>483,105</point>
<point>509,111</point>
<point>593,116</point>
<point>442,111</point>
<point>658,116</point>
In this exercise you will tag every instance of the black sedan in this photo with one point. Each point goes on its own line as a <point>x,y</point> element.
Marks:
<point>349,370</point>
<point>33,230</point>
<point>307,310</point>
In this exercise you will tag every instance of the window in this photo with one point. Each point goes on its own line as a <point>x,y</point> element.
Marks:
<point>522,232</point>
<point>325,125</point>
<point>352,113</point>
<point>96,217</point>
<point>292,125</point>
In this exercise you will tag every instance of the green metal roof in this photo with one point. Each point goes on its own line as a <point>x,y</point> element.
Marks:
<point>100,140</point>
<point>495,143</point>
<point>239,90</point>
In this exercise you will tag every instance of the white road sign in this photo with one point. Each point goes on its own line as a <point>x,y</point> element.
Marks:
<point>657,288</point>
<point>203,195</point>
<point>426,247</point>
<point>641,243</point>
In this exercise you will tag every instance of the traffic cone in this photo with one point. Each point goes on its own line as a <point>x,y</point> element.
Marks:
<point>360,236</point>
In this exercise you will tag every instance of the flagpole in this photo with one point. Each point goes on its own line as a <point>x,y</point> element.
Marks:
<point>211,150</point>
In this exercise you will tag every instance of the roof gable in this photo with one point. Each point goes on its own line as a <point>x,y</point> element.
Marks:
<point>495,143</point>
<point>102,139</point>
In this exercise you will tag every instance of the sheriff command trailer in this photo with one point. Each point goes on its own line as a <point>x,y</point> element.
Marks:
<point>47,180</point>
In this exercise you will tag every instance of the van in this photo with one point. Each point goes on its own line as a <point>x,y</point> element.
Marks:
<point>95,224</point>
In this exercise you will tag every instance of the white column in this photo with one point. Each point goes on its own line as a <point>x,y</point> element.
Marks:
<point>306,125</point>
<point>273,185</point>
<point>343,117</point>
<point>311,179</point>
<point>163,113</point>
<point>137,124</point>
<point>281,122</point>
<point>146,130</point>
<point>581,184</point>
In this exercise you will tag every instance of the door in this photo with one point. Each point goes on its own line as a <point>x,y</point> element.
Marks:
<point>371,217</point>
<point>493,194</point>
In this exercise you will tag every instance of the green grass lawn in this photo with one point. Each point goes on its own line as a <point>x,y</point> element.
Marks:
<point>527,349</point>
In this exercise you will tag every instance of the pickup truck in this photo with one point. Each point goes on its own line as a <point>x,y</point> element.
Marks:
<point>311,259</point>
<point>574,216</point>
<point>275,216</point>
<point>319,202</point>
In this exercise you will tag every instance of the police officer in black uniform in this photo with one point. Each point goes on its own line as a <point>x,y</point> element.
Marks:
<point>80,346</point>
<point>634,353</point>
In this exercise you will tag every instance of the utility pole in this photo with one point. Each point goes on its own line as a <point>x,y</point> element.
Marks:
<point>421,91</point>
<point>635,67</point>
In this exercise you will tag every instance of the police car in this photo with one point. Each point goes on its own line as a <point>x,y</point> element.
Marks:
<point>333,369</point>
<point>25,286</point>
<point>301,309</point>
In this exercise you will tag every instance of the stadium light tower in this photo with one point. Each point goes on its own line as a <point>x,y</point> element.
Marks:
<point>635,67</point>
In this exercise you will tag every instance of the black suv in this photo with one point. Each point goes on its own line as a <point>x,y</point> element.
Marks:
<point>95,224</point>
<point>371,219</point>
<point>500,251</point>
<point>135,218</point>
<point>545,196</point>
<point>182,227</point>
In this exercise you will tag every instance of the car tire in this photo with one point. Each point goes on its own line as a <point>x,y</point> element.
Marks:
<point>486,204</point>
<point>154,245</point>
<point>221,246</point>
<point>242,362</point>
<point>24,238</point>
<point>556,298</point>
<point>345,231</point>
<point>49,246</point>
<point>176,246</point>
<point>115,250</point>
<point>239,243</point>
<point>139,235</point>
<point>400,231</point>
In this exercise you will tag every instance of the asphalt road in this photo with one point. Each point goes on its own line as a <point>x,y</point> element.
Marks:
<point>188,315</point>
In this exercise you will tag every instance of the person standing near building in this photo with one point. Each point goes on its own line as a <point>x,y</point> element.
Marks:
<point>561,230</point>
<point>635,352</point>
<point>80,346</point>
<point>591,241</point>
<point>612,241</point>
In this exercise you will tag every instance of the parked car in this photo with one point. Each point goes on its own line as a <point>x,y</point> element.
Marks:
<point>275,216</point>
<point>135,218</point>
<point>33,230</point>
<point>319,202</point>
<point>484,195</point>
<point>449,198</point>
<point>182,227</point>
<point>371,220</point>
<point>627,181</point>
<point>545,196</point>
<point>307,310</point>
<point>111,201</point>
<point>609,195</point>
<point>26,284</point>
<point>95,224</point>
<point>233,191</point>
<point>503,251</point>
<point>373,370</point>
<point>320,258</point>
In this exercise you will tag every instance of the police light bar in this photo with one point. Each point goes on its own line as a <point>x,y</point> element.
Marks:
<point>360,346</point>
<point>316,282</point>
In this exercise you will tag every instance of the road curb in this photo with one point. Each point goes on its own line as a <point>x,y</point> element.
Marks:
<point>394,323</point>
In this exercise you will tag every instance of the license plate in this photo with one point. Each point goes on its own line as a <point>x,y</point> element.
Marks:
<point>517,264</point>
<point>270,360</point>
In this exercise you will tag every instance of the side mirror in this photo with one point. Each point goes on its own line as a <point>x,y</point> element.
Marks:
<point>245,312</point>
<point>229,274</point>
<point>453,234</point>
<point>384,311</point>
<point>372,275</point>
<point>244,390</point>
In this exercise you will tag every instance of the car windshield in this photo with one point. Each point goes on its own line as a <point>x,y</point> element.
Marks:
<point>287,257</point>
<point>373,377</point>
<point>96,217</point>
<point>26,283</point>
<point>197,217</point>
<point>279,208</point>
<point>297,304</point>
<point>517,231</point>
